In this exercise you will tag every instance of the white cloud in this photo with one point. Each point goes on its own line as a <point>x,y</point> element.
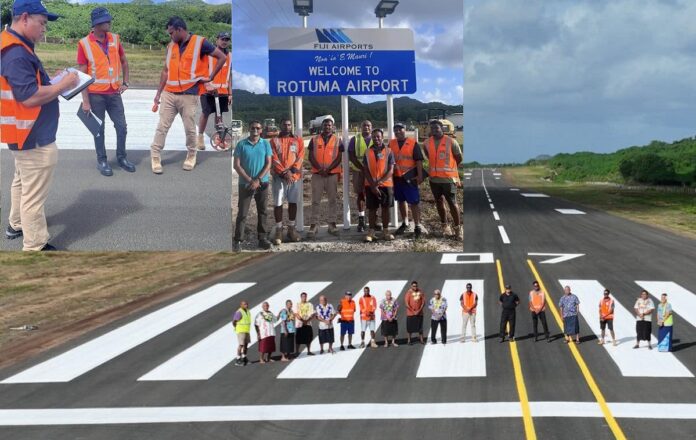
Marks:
<point>249,82</point>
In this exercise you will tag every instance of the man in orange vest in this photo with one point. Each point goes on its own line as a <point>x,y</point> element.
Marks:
<point>220,84</point>
<point>606,316</point>
<point>468,301</point>
<point>29,121</point>
<point>346,310</point>
<point>444,157</point>
<point>357,147</point>
<point>100,55</point>
<point>537,306</point>
<point>368,306</point>
<point>325,152</point>
<point>184,77</point>
<point>288,155</point>
<point>408,175</point>
<point>378,167</point>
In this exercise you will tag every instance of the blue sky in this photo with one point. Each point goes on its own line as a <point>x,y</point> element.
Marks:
<point>576,75</point>
<point>438,39</point>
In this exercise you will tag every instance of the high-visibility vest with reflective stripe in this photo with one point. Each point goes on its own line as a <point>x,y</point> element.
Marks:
<point>469,301</point>
<point>441,159</point>
<point>360,148</point>
<point>105,69</point>
<point>16,119</point>
<point>287,151</point>
<point>222,79</point>
<point>378,167</point>
<point>605,309</point>
<point>367,308</point>
<point>244,324</point>
<point>186,69</point>
<point>325,154</point>
<point>347,310</point>
<point>537,300</point>
<point>403,156</point>
<point>670,319</point>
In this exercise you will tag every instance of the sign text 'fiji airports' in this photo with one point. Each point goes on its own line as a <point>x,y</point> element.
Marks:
<point>314,61</point>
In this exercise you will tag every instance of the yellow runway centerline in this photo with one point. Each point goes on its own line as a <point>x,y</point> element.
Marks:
<point>608,416</point>
<point>530,432</point>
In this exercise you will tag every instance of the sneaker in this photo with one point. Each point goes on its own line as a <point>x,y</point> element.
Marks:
<point>459,232</point>
<point>333,230</point>
<point>200,142</point>
<point>238,362</point>
<point>48,248</point>
<point>386,236</point>
<point>370,237</point>
<point>11,233</point>
<point>362,345</point>
<point>312,232</point>
<point>246,361</point>
<point>417,232</point>
<point>190,161</point>
<point>104,168</point>
<point>361,223</point>
<point>373,344</point>
<point>350,347</point>
<point>343,348</point>
<point>394,344</point>
<point>264,243</point>
<point>278,236</point>
<point>446,230</point>
<point>156,162</point>
<point>293,236</point>
<point>236,246</point>
<point>401,229</point>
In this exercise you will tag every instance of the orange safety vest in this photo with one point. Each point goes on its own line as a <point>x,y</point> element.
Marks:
<point>16,120</point>
<point>186,69</point>
<point>442,163</point>
<point>104,68</point>
<point>221,81</point>
<point>537,300</point>
<point>287,151</point>
<point>605,309</point>
<point>347,310</point>
<point>403,156</point>
<point>367,308</point>
<point>378,167</point>
<point>468,301</point>
<point>325,154</point>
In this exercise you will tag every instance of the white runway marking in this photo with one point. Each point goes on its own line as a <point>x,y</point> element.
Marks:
<point>533,195</point>
<point>211,354</point>
<point>514,189</point>
<point>85,357</point>
<point>497,174</point>
<point>497,178</point>
<point>559,257</point>
<point>482,258</point>
<point>683,301</point>
<point>631,362</point>
<point>570,211</point>
<point>468,178</point>
<point>503,234</point>
<point>457,359</point>
<point>339,365</point>
<point>467,174</point>
<point>337,411</point>
<point>491,205</point>
<point>496,216</point>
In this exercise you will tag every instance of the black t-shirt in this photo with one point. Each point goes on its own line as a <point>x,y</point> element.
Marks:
<point>509,301</point>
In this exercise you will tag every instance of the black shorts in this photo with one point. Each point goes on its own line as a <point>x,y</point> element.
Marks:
<point>385,201</point>
<point>608,323</point>
<point>448,190</point>
<point>208,104</point>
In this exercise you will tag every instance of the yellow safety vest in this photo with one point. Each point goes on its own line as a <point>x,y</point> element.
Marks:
<point>244,324</point>
<point>360,149</point>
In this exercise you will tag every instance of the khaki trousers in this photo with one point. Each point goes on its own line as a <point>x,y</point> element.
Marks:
<point>319,185</point>
<point>28,193</point>
<point>466,319</point>
<point>170,106</point>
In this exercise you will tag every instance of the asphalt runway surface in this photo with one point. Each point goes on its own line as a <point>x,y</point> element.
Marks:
<point>178,210</point>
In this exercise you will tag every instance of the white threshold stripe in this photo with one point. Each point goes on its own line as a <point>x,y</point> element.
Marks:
<point>533,195</point>
<point>570,211</point>
<point>631,362</point>
<point>496,216</point>
<point>208,356</point>
<point>514,189</point>
<point>456,359</point>
<point>85,357</point>
<point>491,205</point>
<point>336,411</point>
<point>683,301</point>
<point>339,365</point>
<point>504,235</point>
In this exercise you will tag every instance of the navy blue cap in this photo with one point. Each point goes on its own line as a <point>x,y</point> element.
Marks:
<point>224,35</point>
<point>32,7</point>
<point>100,15</point>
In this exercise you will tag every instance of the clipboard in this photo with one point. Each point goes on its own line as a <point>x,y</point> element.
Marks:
<point>85,81</point>
<point>91,121</point>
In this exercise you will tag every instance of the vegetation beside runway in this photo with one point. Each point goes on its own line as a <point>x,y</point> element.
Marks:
<point>62,292</point>
<point>673,211</point>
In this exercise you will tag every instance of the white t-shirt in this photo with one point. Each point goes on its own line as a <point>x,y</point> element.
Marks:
<point>643,306</point>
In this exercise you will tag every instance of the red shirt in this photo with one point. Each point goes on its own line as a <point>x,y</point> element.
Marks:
<point>82,58</point>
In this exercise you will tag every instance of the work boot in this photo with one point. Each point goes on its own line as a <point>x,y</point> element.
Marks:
<point>190,161</point>
<point>446,230</point>
<point>278,236</point>
<point>361,223</point>
<point>264,243</point>
<point>370,237</point>
<point>104,168</point>
<point>333,230</point>
<point>293,236</point>
<point>126,165</point>
<point>401,229</point>
<point>200,142</point>
<point>386,236</point>
<point>417,232</point>
<point>459,232</point>
<point>378,227</point>
<point>156,162</point>
<point>312,232</point>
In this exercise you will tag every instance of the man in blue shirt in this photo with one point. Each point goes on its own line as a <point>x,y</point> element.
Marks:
<point>252,162</point>
<point>25,86</point>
